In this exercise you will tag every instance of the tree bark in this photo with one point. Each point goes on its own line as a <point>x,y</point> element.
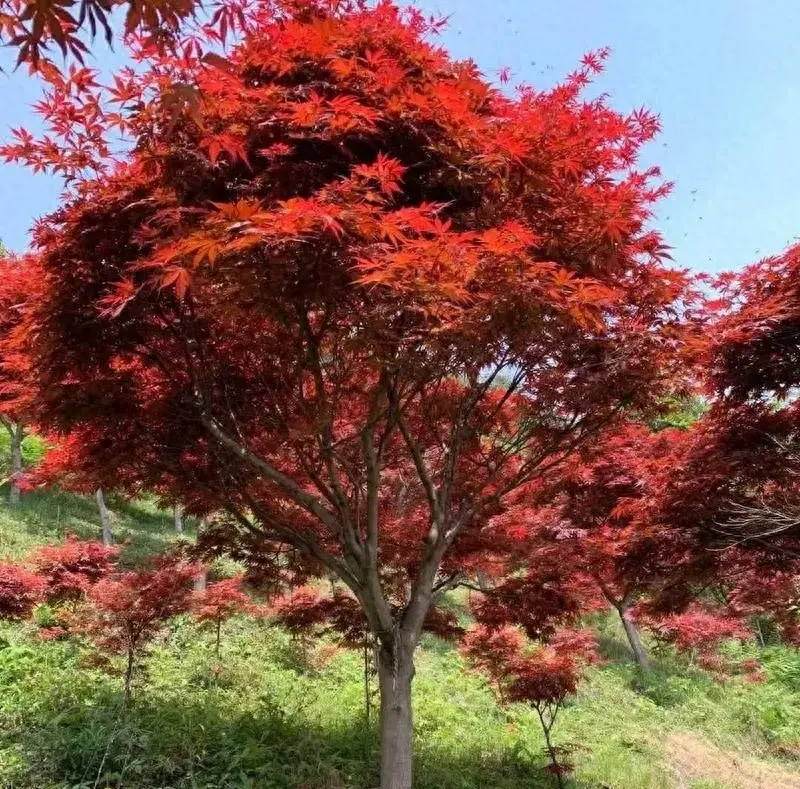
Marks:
<point>547,725</point>
<point>201,581</point>
<point>177,515</point>
<point>105,518</point>
<point>483,582</point>
<point>395,676</point>
<point>17,434</point>
<point>637,647</point>
<point>129,676</point>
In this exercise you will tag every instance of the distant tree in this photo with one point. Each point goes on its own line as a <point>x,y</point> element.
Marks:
<point>61,467</point>
<point>609,533</point>
<point>217,603</point>
<point>588,539</point>
<point>177,517</point>
<point>355,297</point>
<point>125,611</point>
<point>105,517</point>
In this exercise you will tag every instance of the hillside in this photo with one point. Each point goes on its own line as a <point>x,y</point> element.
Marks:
<point>275,715</point>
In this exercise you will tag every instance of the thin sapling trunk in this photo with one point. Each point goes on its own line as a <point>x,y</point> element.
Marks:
<point>547,718</point>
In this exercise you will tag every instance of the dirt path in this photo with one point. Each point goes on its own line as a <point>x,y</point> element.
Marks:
<point>694,758</point>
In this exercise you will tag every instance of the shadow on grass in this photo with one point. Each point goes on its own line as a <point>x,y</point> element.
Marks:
<point>199,743</point>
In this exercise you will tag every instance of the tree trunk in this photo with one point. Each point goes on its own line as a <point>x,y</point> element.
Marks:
<point>637,647</point>
<point>129,677</point>
<point>547,726</point>
<point>177,514</point>
<point>201,581</point>
<point>395,677</point>
<point>483,582</point>
<point>16,432</point>
<point>105,518</point>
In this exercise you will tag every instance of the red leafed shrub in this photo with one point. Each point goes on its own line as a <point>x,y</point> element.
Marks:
<point>125,611</point>
<point>699,629</point>
<point>20,591</point>
<point>70,569</point>
<point>699,632</point>
<point>299,611</point>
<point>219,602</point>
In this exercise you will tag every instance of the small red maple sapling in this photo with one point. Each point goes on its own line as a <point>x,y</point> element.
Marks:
<point>542,676</point>
<point>125,611</point>
<point>218,602</point>
<point>73,567</point>
<point>20,591</point>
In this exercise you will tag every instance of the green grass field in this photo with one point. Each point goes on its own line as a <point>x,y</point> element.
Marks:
<point>275,717</point>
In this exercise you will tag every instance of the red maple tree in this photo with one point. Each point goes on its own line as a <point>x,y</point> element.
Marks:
<point>610,531</point>
<point>125,611</point>
<point>542,676</point>
<point>217,603</point>
<point>741,474</point>
<point>355,298</point>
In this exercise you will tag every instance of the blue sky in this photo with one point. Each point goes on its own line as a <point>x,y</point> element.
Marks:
<point>723,74</point>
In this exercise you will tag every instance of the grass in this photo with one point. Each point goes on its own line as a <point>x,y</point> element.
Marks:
<point>48,516</point>
<point>270,717</point>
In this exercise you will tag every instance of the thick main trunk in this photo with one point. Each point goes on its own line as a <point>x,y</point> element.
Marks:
<point>395,678</point>
<point>15,491</point>
<point>105,518</point>
<point>637,647</point>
